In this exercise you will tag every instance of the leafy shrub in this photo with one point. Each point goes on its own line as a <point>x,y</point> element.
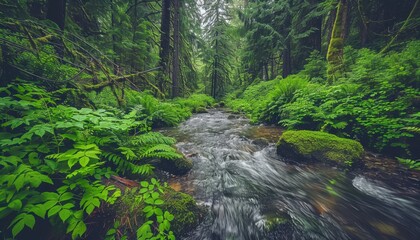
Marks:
<point>157,113</point>
<point>54,158</point>
<point>375,103</point>
<point>195,102</point>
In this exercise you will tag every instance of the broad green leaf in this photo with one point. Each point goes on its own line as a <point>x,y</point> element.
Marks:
<point>148,209</point>
<point>54,210</point>
<point>84,161</point>
<point>65,214</point>
<point>66,196</point>
<point>79,230</point>
<point>72,162</point>
<point>155,195</point>
<point>29,221</point>
<point>158,212</point>
<point>33,158</point>
<point>39,210</point>
<point>17,228</point>
<point>89,209</point>
<point>15,205</point>
<point>144,184</point>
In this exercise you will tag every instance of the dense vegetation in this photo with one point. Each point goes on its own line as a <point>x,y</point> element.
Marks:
<point>84,84</point>
<point>376,103</point>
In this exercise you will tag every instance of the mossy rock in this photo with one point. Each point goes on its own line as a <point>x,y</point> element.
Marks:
<point>177,166</point>
<point>219,104</point>
<point>273,222</point>
<point>201,110</point>
<point>185,210</point>
<point>187,214</point>
<point>319,146</point>
<point>278,226</point>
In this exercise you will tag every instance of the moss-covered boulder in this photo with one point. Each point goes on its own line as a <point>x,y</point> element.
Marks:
<point>129,210</point>
<point>178,166</point>
<point>319,146</point>
<point>185,210</point>
<point>201,110</point>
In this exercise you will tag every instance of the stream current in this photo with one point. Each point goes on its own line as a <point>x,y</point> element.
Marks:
<point>252,193</point>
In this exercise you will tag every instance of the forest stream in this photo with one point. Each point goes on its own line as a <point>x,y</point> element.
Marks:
<point>252,193</point>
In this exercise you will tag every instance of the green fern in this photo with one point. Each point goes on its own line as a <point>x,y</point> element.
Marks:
<point>160,151</point>
<point>151,138</point>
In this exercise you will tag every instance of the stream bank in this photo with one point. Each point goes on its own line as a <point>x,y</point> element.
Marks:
<point>252,193</point>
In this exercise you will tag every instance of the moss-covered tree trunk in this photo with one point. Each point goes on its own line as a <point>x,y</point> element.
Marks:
<point>177,44</point>
<point>336,44</point>
<point>165,45</point>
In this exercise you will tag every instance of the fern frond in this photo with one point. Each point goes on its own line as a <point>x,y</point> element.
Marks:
<point>160,151</point>
<point>413,129</point>
<point>152,138</point>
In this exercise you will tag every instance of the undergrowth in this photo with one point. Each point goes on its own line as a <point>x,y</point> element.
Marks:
<point>54,159</point>
<point>377,102</point>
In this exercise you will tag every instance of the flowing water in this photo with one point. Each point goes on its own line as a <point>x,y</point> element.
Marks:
<point>252,193</point>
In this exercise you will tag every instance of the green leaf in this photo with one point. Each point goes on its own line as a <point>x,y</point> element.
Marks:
<point>144,184</point>
<point>159,202</point>
<point>29,221</point>
<point>155,195</point>
<point>153,180</point>
<point>64,214</point>
<point>79,230</point>
<point>19,182</point>
<point>39,210</point>
<point>84,161</point>
<point>66,196</point>
<point>170,217</point>
<point>54,210</point>
<point>158,212</point>
<point>15,205</point>
<point>148,209</point>
<point>33,158</point>
<point>89,209</point>
<point>143,190</point>
<point>72,162</point>
<point>17,228</point>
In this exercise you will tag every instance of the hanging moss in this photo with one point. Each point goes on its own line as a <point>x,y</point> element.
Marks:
<point>319,146</point>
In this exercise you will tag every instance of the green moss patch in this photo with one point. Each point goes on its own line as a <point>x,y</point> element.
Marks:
<point>178,166</point>
<point>185,210</point>
<point>319,146</point>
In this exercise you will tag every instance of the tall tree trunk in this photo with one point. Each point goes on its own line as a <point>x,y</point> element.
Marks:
<point>315,38</point>
<point>287,59</point>
<point>316,35</point>
<point>215,75</point>
<point>164,44</point>
<point>176,67</point>
<point>328,30</point>
<point>7,72</point>
<point>56,12</point>
<point>273,61</point>
<point>134,29</point>
<point>335,66</point>
<point>114,38</point>
<point>35,9</point>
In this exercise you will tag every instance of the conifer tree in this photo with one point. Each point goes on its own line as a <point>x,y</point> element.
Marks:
<point>218,50</point>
